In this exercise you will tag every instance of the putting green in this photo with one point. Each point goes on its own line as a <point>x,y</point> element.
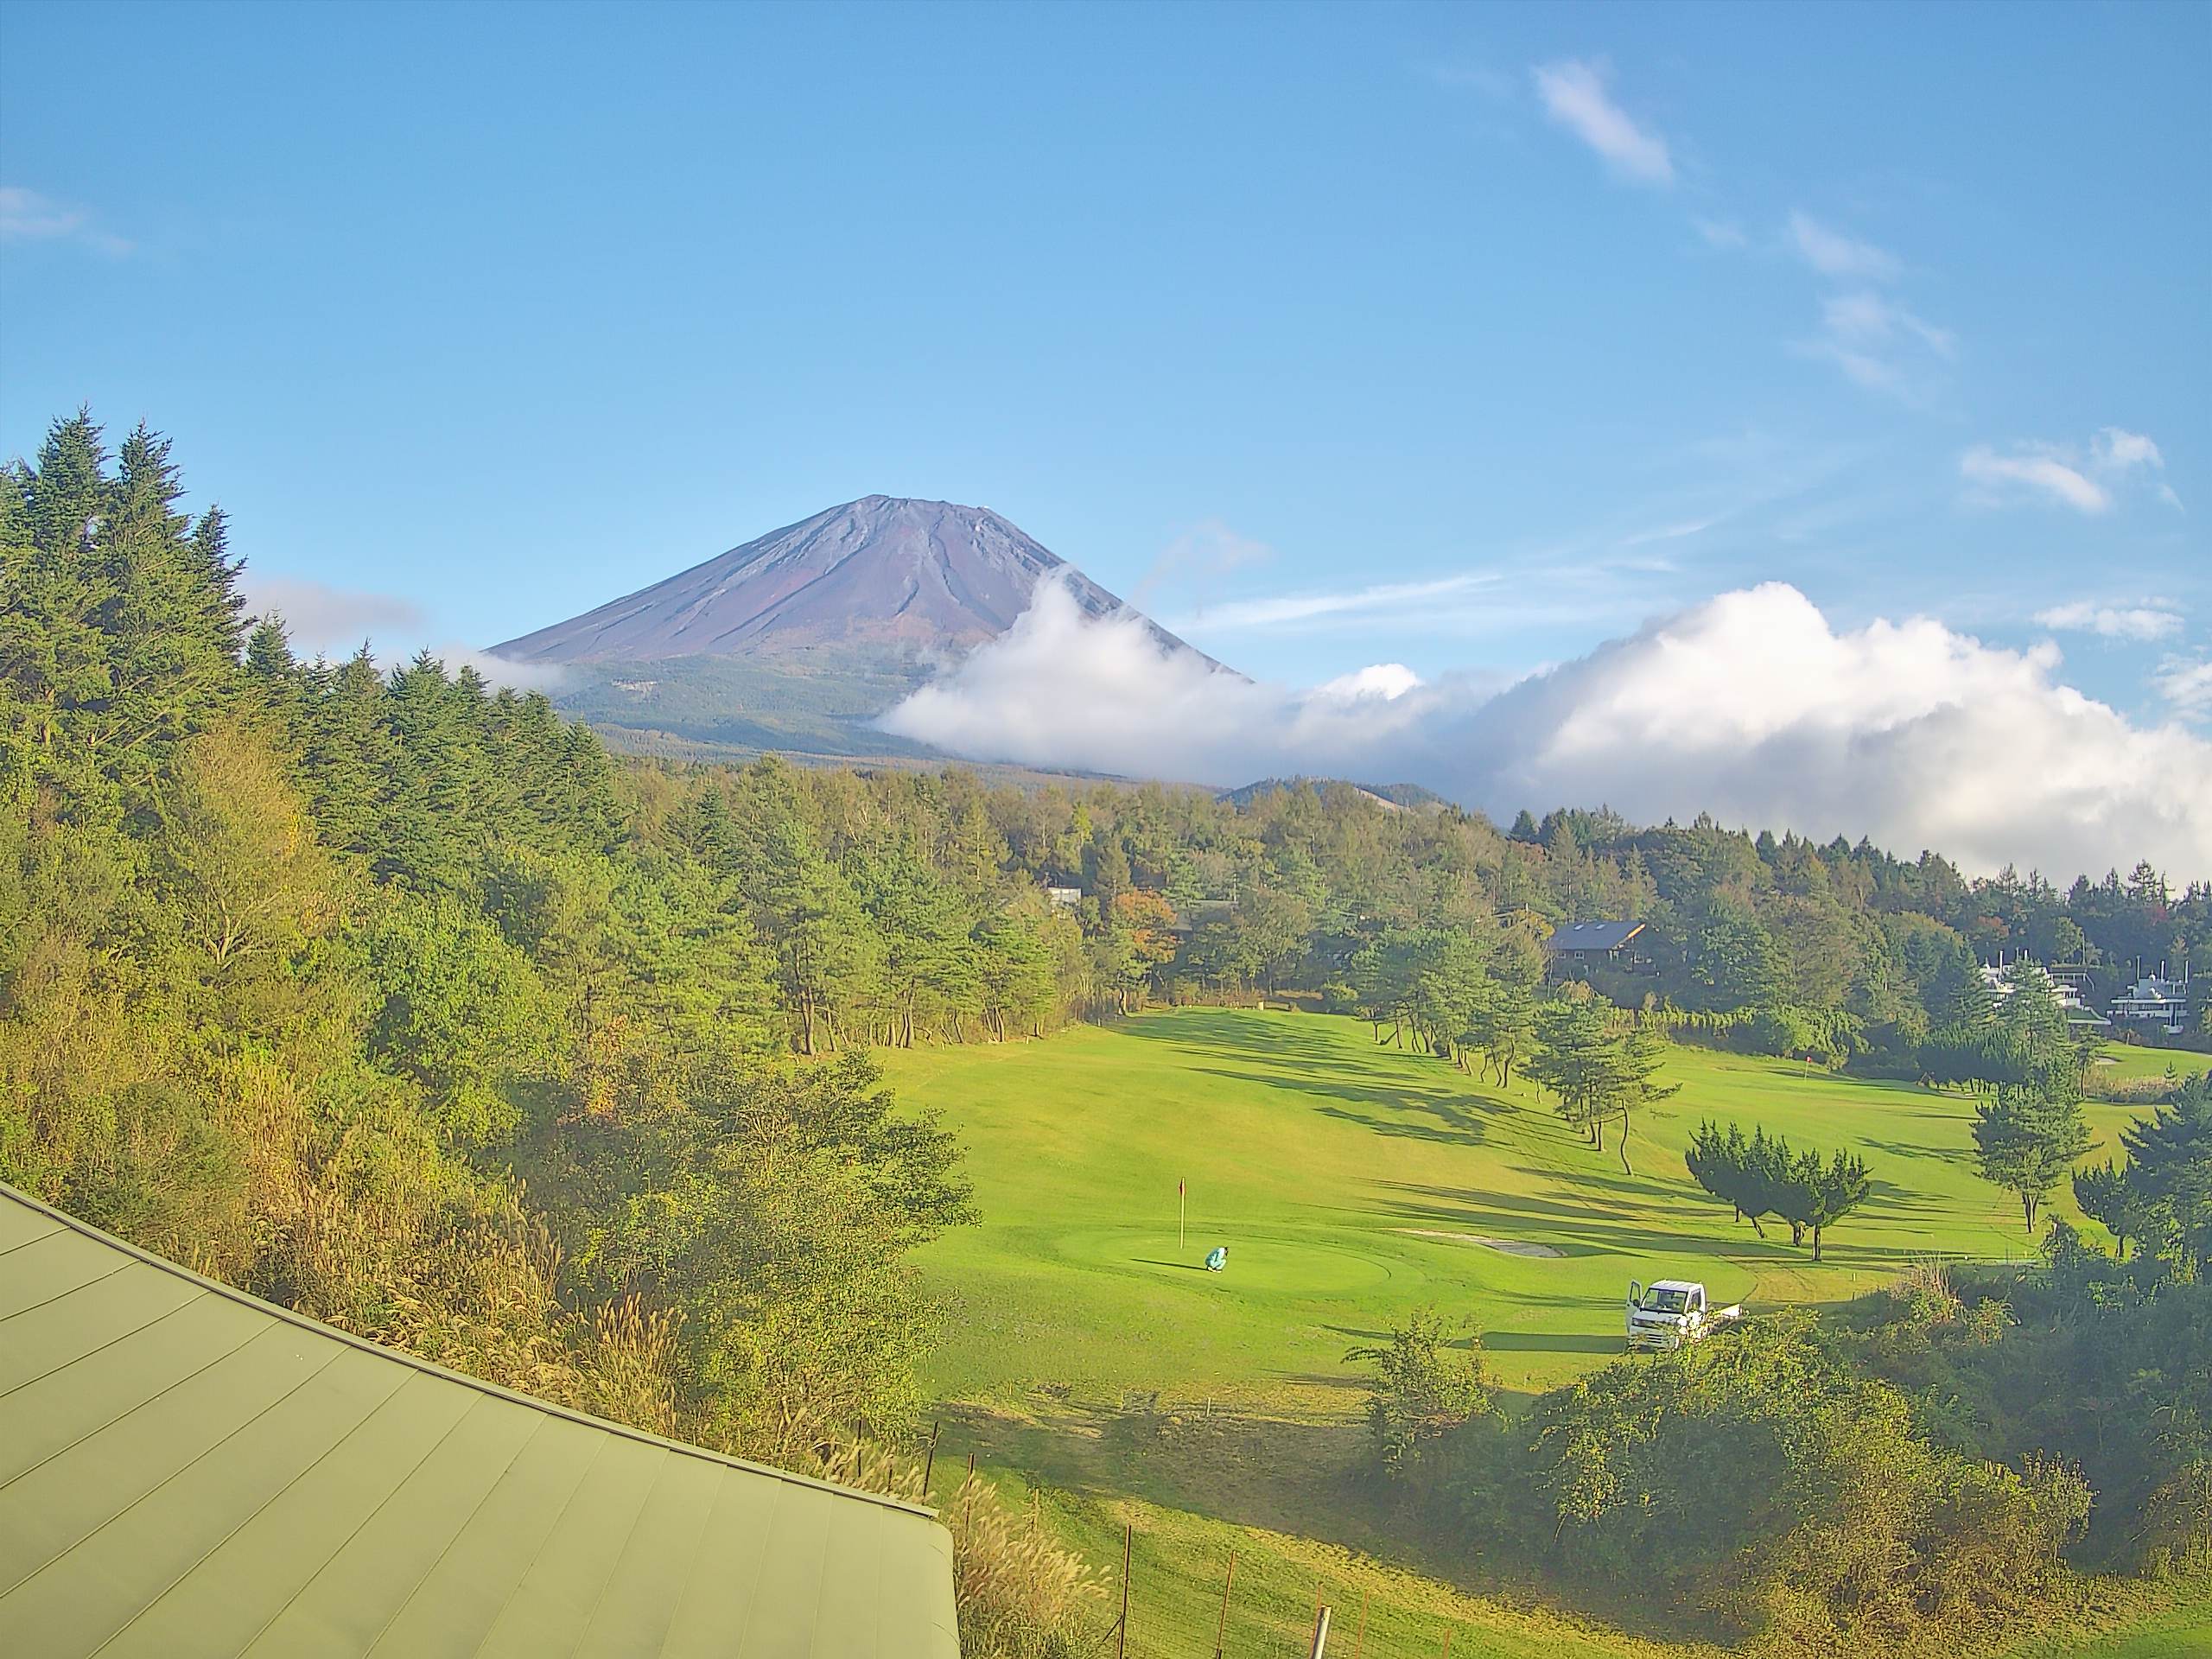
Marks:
<point>1260,1262</point>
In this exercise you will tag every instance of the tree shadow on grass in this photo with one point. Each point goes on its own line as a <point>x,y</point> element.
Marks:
<point>1574,1230</point>
<point>1546,1341</point>
<point>1471,1135</point>
<point>1304,1478</point>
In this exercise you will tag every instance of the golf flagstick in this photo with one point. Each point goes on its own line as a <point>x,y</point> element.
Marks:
<point>1181,1191</point>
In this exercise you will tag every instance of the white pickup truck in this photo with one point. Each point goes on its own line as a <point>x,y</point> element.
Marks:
<point>1673,1312</point>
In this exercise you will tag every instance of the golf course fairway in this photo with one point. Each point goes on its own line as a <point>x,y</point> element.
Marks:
<point>1095,1368</point>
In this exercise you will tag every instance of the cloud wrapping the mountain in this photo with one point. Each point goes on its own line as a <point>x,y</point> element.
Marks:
<point>1751,706</point>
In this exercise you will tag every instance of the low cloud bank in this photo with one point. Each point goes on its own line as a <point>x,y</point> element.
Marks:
<point>1750,706</point>
<point>321,620</point>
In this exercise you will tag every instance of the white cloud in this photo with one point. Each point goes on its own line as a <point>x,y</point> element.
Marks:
<point>1196,556</point>
<point>1360,604</point>
<point>326,620</point>
<point>1665,533</point>
<point>1388,681</point>
<point>321,620</point>
<point>500,671</point>
<point>2083,480</point>
<point>2187,686</point>
<point>2113,621</point>
<point>1750,705</point>
<point>1721,232</point>
<point>1833,254</point>
<point>1574,97</point>
<point>2035,472</point>
<point>26,216</point>
<point>1880,343</point>
<point>1865,318</point>
<point>2118,452</point>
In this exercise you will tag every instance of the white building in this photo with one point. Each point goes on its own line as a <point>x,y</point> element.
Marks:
<point>2079,1014</point>
<point>2156,1004</point>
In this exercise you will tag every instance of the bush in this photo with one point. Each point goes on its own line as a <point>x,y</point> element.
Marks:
<point>1760,1484</point>
<point>1422,1389</point>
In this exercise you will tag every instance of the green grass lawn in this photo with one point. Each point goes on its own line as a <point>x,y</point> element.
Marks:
<point>1090,1355</point>
<point>1348,1179</point>
<point>2124,1062</point>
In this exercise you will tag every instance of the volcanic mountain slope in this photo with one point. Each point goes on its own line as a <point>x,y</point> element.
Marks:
<point>881,570</point>
<point>797,640</point>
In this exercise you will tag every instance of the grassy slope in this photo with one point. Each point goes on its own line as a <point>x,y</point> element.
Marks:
<point>1092,1355</point>
<point>1319,1157</point>
<point>2120,1062</point>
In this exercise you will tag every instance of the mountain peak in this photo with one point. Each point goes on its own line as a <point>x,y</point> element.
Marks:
<point>884,571</point>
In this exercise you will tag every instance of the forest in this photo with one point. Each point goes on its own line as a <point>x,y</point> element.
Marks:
<point>391,996</point>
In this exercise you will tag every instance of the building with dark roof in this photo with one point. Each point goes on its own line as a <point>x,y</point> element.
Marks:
<point>1577,947</point>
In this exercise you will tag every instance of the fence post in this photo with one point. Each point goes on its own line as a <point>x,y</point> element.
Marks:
<point>1129,1541</point>
<point>930,1464</point>
<point>1320,1632</point>
<point>1221,1630</point>
<point>1359,1641</point>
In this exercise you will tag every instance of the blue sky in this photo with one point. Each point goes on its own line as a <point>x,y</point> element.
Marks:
<point>1461,338</point>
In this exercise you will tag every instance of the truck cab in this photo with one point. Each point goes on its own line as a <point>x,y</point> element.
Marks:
<point>1670,1313</point>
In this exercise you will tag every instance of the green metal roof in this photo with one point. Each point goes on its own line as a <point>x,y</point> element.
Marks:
<point>185,1470</point>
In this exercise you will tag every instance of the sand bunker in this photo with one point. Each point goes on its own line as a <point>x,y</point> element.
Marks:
<point>1510,1246</point>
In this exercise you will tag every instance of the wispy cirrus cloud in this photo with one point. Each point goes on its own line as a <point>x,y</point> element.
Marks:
<point>1381,601</point>
<point>26,216</point>
<point>2149,621</point>
<point>2186,685</point>
<point>1199,554</point>
<point>2117,453</point>
<point>1877,342</point>
<point>1833,254</point>
<point>2085,478</point>
<point>2030,473</point>
<point>1575,96</point>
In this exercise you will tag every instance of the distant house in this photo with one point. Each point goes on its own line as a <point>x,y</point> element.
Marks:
<point>2154,1003</point>
<point>1066,898</point>
<point>1578,947</point>
<point>2066,983</point>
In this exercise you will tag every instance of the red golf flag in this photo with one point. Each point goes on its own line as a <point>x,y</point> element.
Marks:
<point>1178,1188</point>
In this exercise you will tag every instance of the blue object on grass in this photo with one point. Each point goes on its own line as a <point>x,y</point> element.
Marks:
<point>1217,1258</point>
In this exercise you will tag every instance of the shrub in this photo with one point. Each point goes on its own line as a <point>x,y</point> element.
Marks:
<point>1422,1389</point>
<point>1760,1485</point>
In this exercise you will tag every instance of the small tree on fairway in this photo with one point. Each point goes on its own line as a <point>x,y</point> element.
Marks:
<point>1824,1195</point>
<point>1642,1050</point>
<point>2029,1136</point>
<point>1503,1021</point>
<point>1761,1177</point>
<point>1581,1062</point>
